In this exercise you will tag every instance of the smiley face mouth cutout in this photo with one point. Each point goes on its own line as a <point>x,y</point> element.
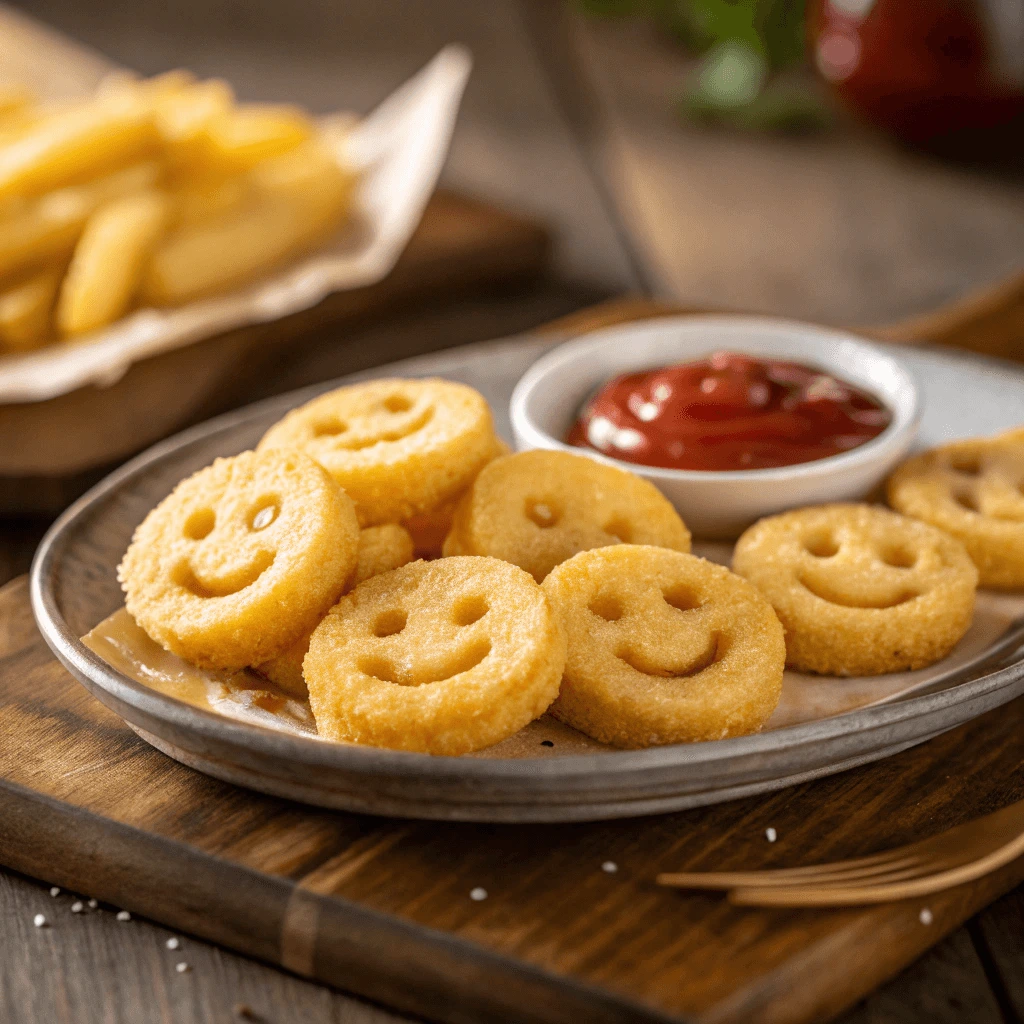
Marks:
<point>337,429</point>
<point>639,662</point>
<point>828,592</point>
<point>184,576</point>
<point>382,668</point>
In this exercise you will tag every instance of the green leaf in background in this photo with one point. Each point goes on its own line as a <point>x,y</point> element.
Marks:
<point>781,26</point>
<point>728,22</point>
<point>731,75</point>
<point>743,42</point>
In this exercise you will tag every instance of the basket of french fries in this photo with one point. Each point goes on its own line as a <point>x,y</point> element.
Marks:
<point>147,214</point>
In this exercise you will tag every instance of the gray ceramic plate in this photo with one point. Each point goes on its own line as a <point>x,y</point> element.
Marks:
<point>74,587</point>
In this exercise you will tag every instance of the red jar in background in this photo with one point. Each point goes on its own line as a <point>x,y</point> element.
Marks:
<point>944,74</point>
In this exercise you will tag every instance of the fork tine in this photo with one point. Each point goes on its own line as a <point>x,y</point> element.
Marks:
<point>923,883</point>
<point>787,876</point>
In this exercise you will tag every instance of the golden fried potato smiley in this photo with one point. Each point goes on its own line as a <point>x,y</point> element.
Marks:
<point>663,647</point>
<point>975,491</point>
<point>538,508</point>
<point>398,447</point>
<point>381,549</point>
<point>429,529</point>
<point>241,559</point>
<point>442,657</point>
<point>860,590</point>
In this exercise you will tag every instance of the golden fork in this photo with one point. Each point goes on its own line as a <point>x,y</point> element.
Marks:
<point>951,858</point>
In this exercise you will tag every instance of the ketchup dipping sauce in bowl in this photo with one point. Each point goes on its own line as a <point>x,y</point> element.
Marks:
<point>728,412</point>
<point>731,417</point>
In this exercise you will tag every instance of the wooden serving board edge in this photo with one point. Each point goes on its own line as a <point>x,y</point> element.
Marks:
<point>327,938</point>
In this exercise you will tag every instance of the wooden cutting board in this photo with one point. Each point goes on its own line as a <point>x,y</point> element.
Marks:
<point>385,908</point>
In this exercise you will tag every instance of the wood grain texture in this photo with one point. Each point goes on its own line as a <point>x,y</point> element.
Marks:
<point>999,934</point>
<point>383,908</point>
<point>944,989</point>
<point>98,968</point>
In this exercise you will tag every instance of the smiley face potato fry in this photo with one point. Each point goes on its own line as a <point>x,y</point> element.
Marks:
<point>429,529</point>
<point>381,549</point>
<point>860,590</point>
<point>538,508</point>
<point>398,447</point>
<point>663,647</point>
<point>973,490</point>
<point>241,559</point>
<point>442,657</point>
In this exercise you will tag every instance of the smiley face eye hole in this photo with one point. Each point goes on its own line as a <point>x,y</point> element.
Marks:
<point>468,610</point>
<point>898,556</point>
<point>618,527</point>
<point>397,403</point>
<point>607,607</point>
<point>682,598</point>
<point>388,624</point>
<point>200,523</point>
<point>969,465</point>
<point>542,513</point>
<point>263,513</point>
<point>821,545</point>
<point>329,428</point>
<point>966,500</point>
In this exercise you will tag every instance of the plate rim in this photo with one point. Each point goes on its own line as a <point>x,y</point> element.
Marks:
<point>95,674</point>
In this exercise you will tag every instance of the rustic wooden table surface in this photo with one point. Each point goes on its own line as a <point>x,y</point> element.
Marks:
<point>571,121</point>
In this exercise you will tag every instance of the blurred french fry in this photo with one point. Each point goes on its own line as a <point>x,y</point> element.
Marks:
<point>108,261</point>
<point>119,83</point>
<point>161,189</point>
<point>181,116</point>
<point>74,144</point>
<point>14,99</point>
<point>48,228</point>
<point>203,199</point>
<point>26,309</point>
<point>270,228</point>
<point>240,138</point>
<point>293,171</point>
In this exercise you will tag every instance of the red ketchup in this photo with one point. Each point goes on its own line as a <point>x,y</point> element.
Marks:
<point>727,412</point>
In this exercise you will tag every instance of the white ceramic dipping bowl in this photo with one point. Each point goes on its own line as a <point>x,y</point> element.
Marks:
<point>719,505</point>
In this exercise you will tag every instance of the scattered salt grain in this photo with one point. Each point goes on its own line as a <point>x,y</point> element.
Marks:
<point>39,921</point>
<point>123,915</point>
<point>771,835</point>
<point>173,943</point>
<point>77,907</point>
<point>93,904</point>
<point>925,917</point>
<point>478,894</point>
<point>182,967</point>
<point>609,867</point>
<point>54,890</point>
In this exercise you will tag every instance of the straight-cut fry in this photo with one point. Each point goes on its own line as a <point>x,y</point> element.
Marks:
<point>25,311</point>
<point>273,226</point>
<point>72,145</point>
<point>48,228</point>
<point>108,261</point>
<point>241,138</point>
